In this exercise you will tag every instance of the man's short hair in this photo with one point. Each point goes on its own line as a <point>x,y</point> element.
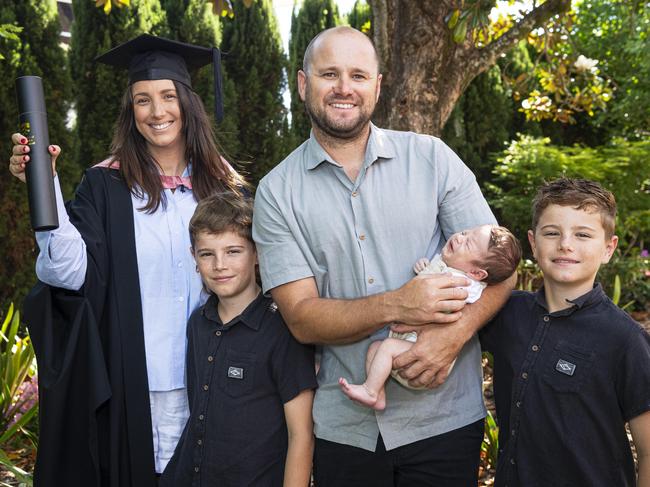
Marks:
<point>309,51</point>
<point>580,194</point>
<point>222,212</point>
<point>503,255</point>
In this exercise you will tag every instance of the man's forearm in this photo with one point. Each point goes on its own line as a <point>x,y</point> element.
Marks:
<point>335,321</point>
<point>311,319</point>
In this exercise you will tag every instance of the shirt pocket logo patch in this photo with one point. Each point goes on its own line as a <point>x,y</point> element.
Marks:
<point>235,372</point>
<point>565,367</point>
<point>237,376</point>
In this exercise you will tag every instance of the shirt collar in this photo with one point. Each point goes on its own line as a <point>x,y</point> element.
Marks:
<point>378,148</point>
<point>592,297</point>
<point>251,316</point>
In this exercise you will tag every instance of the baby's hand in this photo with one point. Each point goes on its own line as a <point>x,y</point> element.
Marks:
<point>420,265</point>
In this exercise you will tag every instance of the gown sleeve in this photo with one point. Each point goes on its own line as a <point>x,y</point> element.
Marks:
<point>65,328</point>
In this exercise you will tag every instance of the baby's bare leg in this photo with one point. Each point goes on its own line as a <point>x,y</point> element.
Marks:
<point>379,363</point>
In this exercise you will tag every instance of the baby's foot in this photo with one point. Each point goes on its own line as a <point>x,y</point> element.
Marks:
<point>361,395</point>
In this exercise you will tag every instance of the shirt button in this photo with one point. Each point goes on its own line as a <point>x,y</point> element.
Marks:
<point>546,318</point>
<point>518,404</point>
<point>524,375</point>
<point>362,237</point>
<point>512,461</point>
<point>354,194</point>
<point>535,348</point>
<point>199,442</point>
<point>210,358</point>
<point>181,299</point>
<point>218,333</point>
<point>201,417</point>
<point>180,264</point>
<point>512,432</point>
<point>205,387</point>
<point>371,280</point>
<point>196,469</point>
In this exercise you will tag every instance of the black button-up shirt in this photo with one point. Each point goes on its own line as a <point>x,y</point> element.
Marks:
<point>565,383</point>
<point>239,376</point>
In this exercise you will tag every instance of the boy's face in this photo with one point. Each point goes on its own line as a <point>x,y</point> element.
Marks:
<point>226,262</point>
<point>570,245</point>
<point>465,247</point>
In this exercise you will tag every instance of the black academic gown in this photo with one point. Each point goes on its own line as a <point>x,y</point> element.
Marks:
<point>95,422</point>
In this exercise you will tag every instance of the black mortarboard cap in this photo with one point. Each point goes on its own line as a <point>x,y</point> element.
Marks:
<point>149,57</point>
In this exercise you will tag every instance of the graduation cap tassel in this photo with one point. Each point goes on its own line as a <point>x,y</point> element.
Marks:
<point>218,88</point>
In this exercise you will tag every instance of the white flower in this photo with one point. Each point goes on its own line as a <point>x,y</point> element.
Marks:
<point>585,64</point>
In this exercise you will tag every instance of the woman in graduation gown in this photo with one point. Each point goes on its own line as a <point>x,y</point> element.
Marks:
<point>117,280</point>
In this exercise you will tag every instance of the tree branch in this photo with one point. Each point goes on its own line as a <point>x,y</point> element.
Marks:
<point>482,59</point>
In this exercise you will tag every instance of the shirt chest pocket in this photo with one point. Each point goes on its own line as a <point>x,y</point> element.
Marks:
<point>237,377</point>
<point>568,367</point>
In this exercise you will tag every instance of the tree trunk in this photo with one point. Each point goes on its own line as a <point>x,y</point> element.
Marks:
<point>424,71</point>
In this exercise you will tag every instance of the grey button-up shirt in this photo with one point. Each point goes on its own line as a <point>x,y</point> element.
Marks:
<point>361,238</point>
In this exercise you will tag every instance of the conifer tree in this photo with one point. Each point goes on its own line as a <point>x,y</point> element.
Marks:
<point>481,123</point>
<point>99,88</point>
<point>312,17</point>
<point>254,61</point>
<point>360,17</point>
<point>36,52</point>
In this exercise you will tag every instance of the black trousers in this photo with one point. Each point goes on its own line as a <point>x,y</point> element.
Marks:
<point>447,460</point>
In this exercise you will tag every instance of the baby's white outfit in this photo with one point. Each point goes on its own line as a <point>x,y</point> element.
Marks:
<point>474,290</point>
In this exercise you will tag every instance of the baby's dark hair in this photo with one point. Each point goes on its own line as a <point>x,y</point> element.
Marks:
<point>223,212</point>
<point>503,255</point>
<point>580,194</point>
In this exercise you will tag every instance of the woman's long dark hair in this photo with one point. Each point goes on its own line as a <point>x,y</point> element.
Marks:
<point>140,169</point>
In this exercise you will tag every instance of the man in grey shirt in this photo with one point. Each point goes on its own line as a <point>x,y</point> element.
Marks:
<point>338,225</point>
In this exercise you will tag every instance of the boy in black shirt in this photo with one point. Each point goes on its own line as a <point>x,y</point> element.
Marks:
<point>570,368</point>
<point>250,383</point>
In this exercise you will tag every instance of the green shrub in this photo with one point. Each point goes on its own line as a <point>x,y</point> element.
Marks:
<point>621,167</point>
<point>633,273</point>
<point>18,388</point>
<point>490,445</point>
<point>529,276</point>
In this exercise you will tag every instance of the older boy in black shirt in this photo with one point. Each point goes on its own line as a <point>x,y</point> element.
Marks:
<point>570,368</point>
<point>250,383</point>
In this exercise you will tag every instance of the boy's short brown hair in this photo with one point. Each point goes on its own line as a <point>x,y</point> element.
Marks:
<point>580,194</point>
<point>503,255</point>
<point>223,212</point>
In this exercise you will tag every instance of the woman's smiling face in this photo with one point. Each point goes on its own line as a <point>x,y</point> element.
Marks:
<point>157,114</point>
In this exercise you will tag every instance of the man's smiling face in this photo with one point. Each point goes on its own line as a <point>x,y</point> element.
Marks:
<point>341,86</point>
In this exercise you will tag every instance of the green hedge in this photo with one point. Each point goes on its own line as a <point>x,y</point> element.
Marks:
<point>621,167</point>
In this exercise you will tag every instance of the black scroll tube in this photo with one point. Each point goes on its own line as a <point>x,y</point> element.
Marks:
<point>33,125</point>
